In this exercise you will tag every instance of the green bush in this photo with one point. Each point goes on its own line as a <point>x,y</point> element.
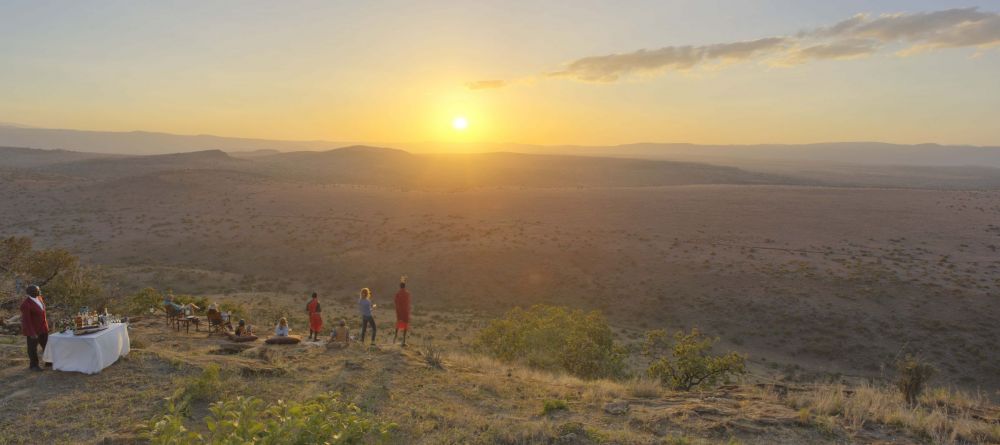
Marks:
<point>142,301</point>
<point>554,338</point>
<point>66,284</point>
<point>237,309</point>
<point>553,405</point>
<point>690,363</point>
<point>325,419</point>
<point>205,386</point>
<point>201,302</point>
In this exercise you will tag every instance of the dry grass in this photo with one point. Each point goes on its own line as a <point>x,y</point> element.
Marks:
<point>943,416</point>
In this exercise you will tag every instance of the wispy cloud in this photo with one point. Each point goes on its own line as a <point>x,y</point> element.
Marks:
<point>842,49</point>
<point>486,84</point>
<point>612,67</point>
<point>859,36</point>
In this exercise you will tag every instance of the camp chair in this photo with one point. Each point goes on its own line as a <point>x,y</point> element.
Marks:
<point>215,323</point>
<point>173,316</point>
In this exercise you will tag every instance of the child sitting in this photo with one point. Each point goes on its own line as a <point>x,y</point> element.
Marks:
<point>244,330</point>
<point>341,336</point>
<point>282,329</point>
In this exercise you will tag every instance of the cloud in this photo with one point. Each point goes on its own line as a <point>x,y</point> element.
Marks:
<point>486,84</point>
<point>612,67</point>
<point>843,49</point>
<point>859,36</point>
<point>923,31</point>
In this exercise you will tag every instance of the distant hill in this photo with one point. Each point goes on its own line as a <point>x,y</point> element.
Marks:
<point>142,142</point>
<point>391,167</point>
<point>859,153</point>
<point>116,167</point>
<point>380,166</point>
<point>20,157</point>
<point>855,153</point>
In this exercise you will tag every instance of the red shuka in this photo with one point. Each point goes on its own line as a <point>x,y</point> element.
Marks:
<point>315,316</point>
<point>403,306</point>
<point>33,320</point>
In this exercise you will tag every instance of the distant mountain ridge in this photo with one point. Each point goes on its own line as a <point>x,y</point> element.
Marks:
<point>862,153</point>
<point>388,167</point>
<point>859,153</point>
<point>143,142</point>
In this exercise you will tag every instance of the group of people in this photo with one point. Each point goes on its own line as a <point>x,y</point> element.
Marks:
<point>339,335</point>
<point>35,325</point>
<point>366,309</point>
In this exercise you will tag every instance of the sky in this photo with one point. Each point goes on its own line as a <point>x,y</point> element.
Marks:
<point>551,72</point>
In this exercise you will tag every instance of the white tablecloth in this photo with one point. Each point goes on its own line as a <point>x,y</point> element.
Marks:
<point>90,353</point>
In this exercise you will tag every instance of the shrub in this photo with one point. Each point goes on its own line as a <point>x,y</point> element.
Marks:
<point>914,373</point>
<point>142,301</point>
<point>554,338</point>
<point>690,364</point>
<point>325,419</point>
<point>201,302</point>
<point>552,405</point>
<point>433,357</point>
<point>205,386</point>
<point>65,282</point>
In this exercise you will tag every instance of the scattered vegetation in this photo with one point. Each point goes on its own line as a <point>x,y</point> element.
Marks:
<point>205,386</point>
<point>956,418</point>
<point>555,338</point>
<point>690,363</point>
<point>914,373</point>
<point>433,356</point>
<point>550,406</point>
<point>325,419</point>
<point>65,282</point>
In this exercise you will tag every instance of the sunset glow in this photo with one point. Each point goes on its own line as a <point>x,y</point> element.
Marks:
<point>798,72</point>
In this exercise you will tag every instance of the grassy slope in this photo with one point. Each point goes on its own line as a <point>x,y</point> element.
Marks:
<point>472,400</point>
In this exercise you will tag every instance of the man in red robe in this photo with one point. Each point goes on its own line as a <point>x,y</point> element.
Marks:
<point>34,325</point>
<point>315,317</point>
<point>402,311</point>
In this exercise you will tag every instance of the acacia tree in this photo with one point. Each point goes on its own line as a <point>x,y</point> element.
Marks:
<point>64,280</point>
<point>690,363</point>
<point>14,252</point>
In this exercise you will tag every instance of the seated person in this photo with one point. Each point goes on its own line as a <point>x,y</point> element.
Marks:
<point>243,329</point>
<point>282,329</point>
<point>171,306</point>
<point>341,336</point>
<point>227,320</point>
<point>215,318</point>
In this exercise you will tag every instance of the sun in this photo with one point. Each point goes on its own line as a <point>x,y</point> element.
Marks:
<point>460,123</point>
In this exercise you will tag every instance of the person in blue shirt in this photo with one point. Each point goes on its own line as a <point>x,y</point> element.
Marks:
<point>365,307</point>
<point>282,329</point>
<point>185,309</point>
<point>169,302</point>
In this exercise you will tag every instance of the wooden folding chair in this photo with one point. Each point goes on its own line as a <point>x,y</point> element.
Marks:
<point>214,321</point>
<point>173,316</point>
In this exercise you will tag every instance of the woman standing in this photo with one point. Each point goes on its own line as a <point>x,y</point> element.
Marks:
<point>34,324</point>
<point>365,307</point>
<point>315,317</point>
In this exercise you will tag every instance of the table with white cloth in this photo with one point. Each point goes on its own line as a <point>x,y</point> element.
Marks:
<point>89,353</point>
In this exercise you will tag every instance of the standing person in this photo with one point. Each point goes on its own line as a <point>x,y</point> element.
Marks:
<point>365,307</point>
<point>402,301</point>
<point>34,324</point>
<point>315,317</point>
